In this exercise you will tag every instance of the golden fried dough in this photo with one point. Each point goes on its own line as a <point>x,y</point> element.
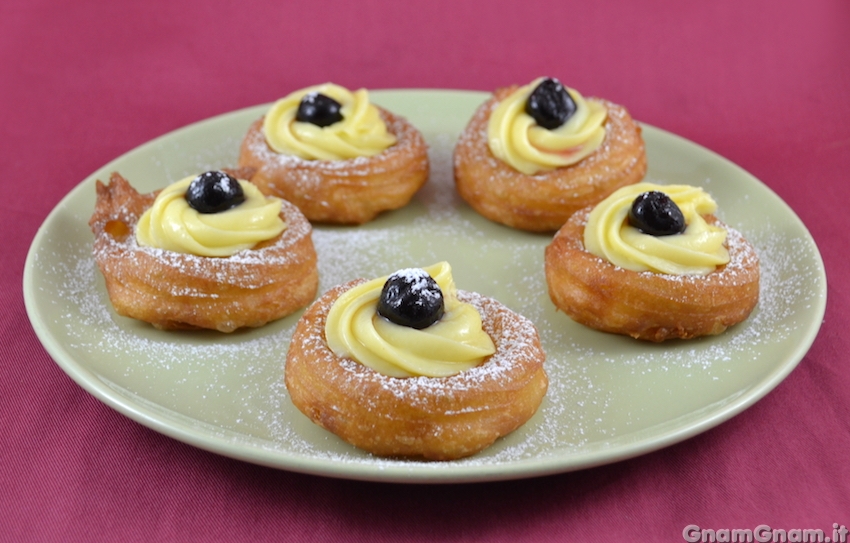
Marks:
<point>438,418</point>
<point>182,291</point>
<point>352,191</point>
<point>646,305</point>
<point>543,202</point>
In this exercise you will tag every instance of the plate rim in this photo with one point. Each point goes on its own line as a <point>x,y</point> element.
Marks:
<point>413,472</point>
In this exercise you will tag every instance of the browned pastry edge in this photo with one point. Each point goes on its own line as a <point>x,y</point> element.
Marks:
<point>646,305</point>
<point>543,202</point>
<point>438,418</point>
<point>179,291</point>
<point>352,191</point>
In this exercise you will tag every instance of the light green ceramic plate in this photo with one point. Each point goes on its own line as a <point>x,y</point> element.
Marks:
<point>610,397</point>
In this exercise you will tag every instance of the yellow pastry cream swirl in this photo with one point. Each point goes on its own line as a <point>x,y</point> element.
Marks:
<point>361,132</point>
<point>453,344</point>
<point>696,251</point>
<point>516,139</point>
<point>171,224</point>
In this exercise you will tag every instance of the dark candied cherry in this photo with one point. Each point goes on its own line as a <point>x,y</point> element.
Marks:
<point>212,192</point>
<point>550,104</point>
<point>318,109</point>
<point>411,298</point>
<point>654,213</point>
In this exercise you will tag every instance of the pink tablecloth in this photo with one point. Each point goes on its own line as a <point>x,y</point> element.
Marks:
<point>763,83</point>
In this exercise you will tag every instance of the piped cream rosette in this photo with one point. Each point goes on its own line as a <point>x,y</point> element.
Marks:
<point>696,251</point>
<point>361,132</point>
<point>455,343</point>
<point>515,138</point>
<point>171,224</point>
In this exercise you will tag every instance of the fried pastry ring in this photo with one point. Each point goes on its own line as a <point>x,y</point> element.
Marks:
<point>352,191</point>
<point>543,202</point>
<point>437,418</point>
<point>174,291</point>
<point>646,305</point>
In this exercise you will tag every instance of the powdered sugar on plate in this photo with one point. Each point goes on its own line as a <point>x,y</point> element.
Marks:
<point>226,390</point>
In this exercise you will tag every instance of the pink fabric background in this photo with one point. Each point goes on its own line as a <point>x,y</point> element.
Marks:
<point>762,82</point>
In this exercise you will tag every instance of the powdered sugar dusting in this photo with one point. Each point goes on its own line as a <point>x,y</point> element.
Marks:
<point>604,390</point>
<point>246,269</point>
<point>606,162</point>
<point>514,336</point>
<point>312,172</point>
